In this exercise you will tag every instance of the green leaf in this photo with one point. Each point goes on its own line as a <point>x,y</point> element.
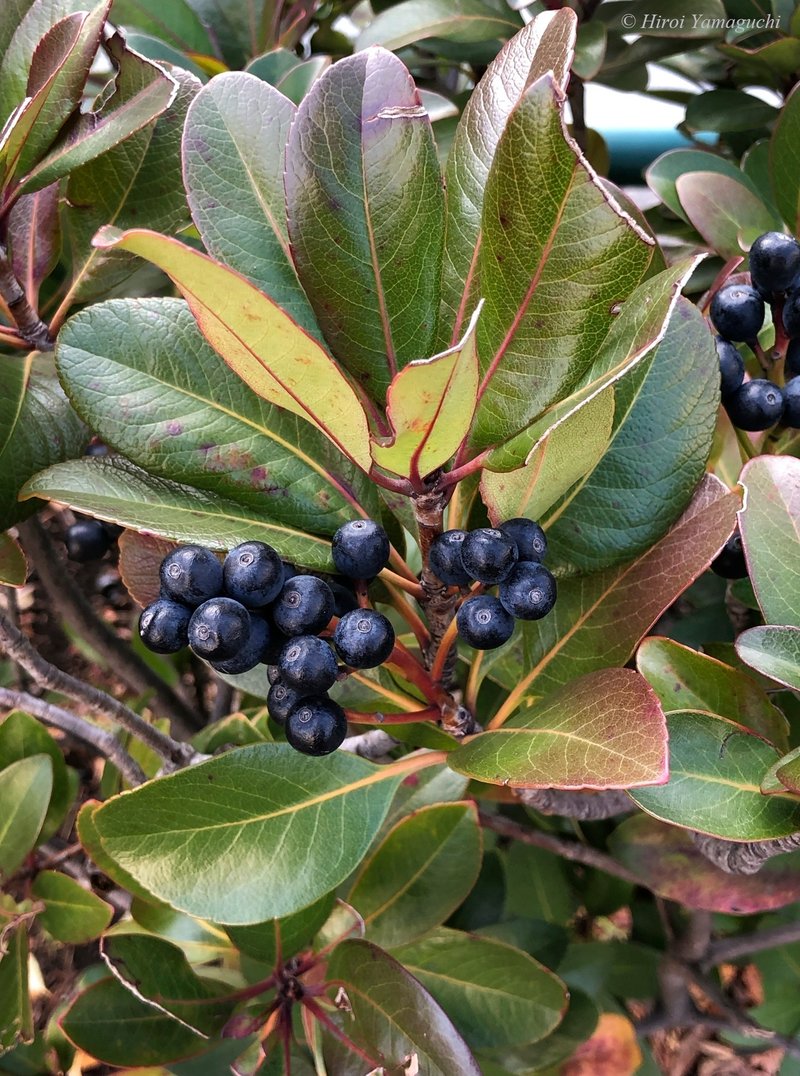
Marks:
<point>273,65</point>
<point>200,941</point>
<point>21,736</point>
<point>37,428</point>
<point>664,420</point>
<point>286,936</point>
<point>234,144</point>
<point>578,1024</point>
<point>537,886</point>
<point>784,161</point>
<point>295,84</point>
<point>430,405</point>
<point>139,180</point>
<point>604,730</point>
<point>72,914</point>
<point>495,994</point>
<point>678,18</point>
<point>728,111</point>
<point>393,1016</point>
<point>463,21</point>
<point>774,651</point>
<point>25,788</point>
<point>724,211</point>
<point>13,565</point>
<point>141,92</point>
<point>664,172</point>
<point>685,679</point>
<point>568,451</point>
<point>193,841</point>
<point>419,873</point>
<point>552,270</point>
<point>158,973</point>
<point>715,769</point>
<point>669,863</point>
<point>11,15</point>
<point>88,836</point>
<point>131,366</point>
<point>115,490</point>
<point>175,23</point>
<point>770,526</point>
<point>599,619</point>
<point>258,340</point>
<point>366,233</point>
<point>113,1026</point>
<point>16,1013</point>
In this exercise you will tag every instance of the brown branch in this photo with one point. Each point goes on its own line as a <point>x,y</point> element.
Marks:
<point>727,949</point>
<point>31,328</point>
<point>103,742</point>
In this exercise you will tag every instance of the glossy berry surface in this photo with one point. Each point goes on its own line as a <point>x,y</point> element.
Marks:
<point>730,562</point>
<point>774,262</point>
<point>344,598</point>
<point>757,405</point>
<point>281,700</point>
<point>737,312</point>
<point>308,664</point>
<point>253,574</point>
<point>484,623</point>
<point>489,555</point>
<point>251,654</point>
<point>360,549</point>
<point>791,315</point>
<point>87,540</point>
<point>191,574</point>
<point>317,726</point>
<point>219,629</point>
<point>731,366</point>
<point>363,639</point>
<point>164,626</point>
<point>792,365</point>
<point>529,593</point>
<point>528,537</point>
<point>444,558</point>
<point>791,398</point>
<point>304,606</point>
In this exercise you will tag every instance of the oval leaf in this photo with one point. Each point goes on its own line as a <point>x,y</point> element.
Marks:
<point>25,788</point>
<point>784,161</point>
<point>22,736</point>
<point>16,1009</point>
<point>773,651</point>
<point>13,565</point>
<point>72,914</point>
<point>724,211</point>
<point>770,525</point>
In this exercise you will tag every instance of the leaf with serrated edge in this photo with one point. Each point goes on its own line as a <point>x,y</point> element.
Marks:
<point>366,231</point>
<point>770,526</point>
<point>774,651</point>
<point>25,788</point>
<point>234,145</point>
<point>13,566</point>
<point>545,44</point>
<point>72,915</point>
<point>716,767</point>
<point>430,404</point>
<point>600,618</point>
<point>257,339</point>
<point>604,730</point>
<point>195,842</point>
<point>115,490</point>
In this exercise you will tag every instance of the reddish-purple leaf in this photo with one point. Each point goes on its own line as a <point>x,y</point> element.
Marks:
<point>34,238</point>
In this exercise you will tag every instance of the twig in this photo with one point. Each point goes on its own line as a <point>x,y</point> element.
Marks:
<point>727,949</point>
<point>73,606</point>
<point>105,743</point>
<point>572,850</point>
<point>31,328</point>
<point>662,1022</point>
<point>14,644</point>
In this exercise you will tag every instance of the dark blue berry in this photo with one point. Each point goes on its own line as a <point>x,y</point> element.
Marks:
<point>757,405</point>
<point>96,448</point>
<point>344,598</point>
<point>444,558</point>
<point>528,537</point>
<point>360,549</point>
<point>281,700</point>
<point>253,574</point>
<point>488,555</point>
<point>219,629</point>
<point>774,262</point>
<point>791,314</point>
<point>308,664</point>
<point>164,626</point>
<point>251,654</point>
<point>87,540</point>
<point>737,312</point>
<point>304,606</point>
<point>731,366</point>
<point>730,562</point>
<point>791,367</point>
<point>191,574</point>
<point>483,622</point>
<point>791,397</point>
<point>316,726</point>
<point>363,639</point>
<point>529,593</point>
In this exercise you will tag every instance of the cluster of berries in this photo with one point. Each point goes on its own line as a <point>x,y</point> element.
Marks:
<point>253,609</point>
<point>737,313</point>
<point>508,556</point>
